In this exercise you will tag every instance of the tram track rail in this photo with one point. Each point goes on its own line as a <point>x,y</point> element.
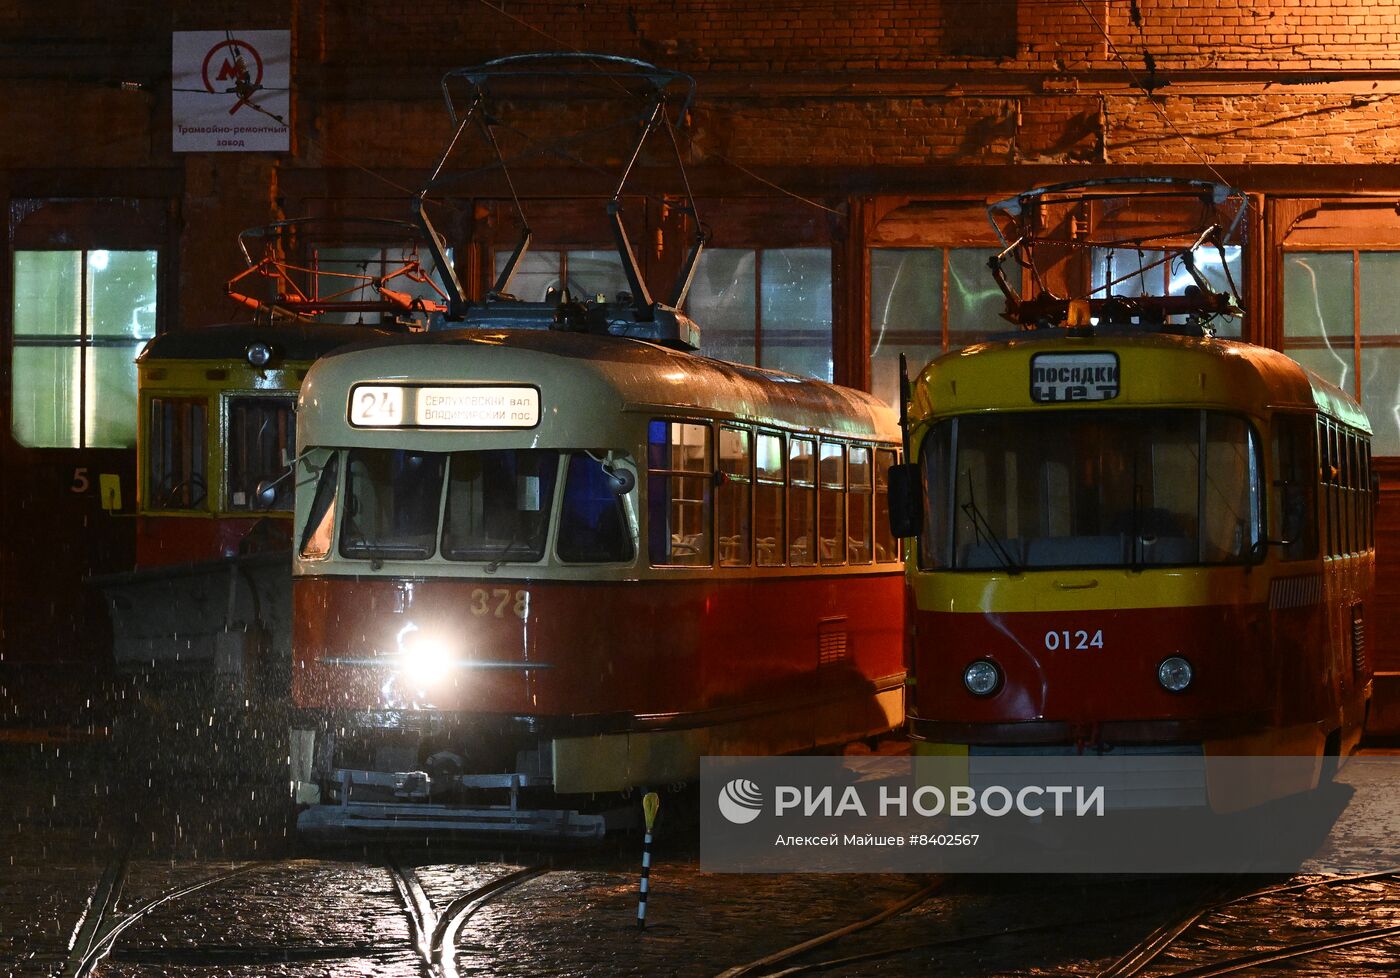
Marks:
<point>434,934</point>
<point>1138,958</point>
<point>101,925</point>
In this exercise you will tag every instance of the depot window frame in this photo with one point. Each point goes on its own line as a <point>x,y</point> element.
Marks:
<point>84,341</point>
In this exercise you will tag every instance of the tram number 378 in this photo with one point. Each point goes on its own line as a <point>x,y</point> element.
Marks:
<point>1079,640</point>
<point>499,602</point>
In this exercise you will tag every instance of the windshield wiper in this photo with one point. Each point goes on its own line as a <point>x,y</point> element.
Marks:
<point>980,526</point>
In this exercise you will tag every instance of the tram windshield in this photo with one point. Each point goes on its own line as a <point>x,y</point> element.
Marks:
<point>1121,488</point>
<point>484,506</point>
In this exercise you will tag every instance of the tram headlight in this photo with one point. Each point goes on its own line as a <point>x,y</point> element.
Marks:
<point>258,354</point>
<point>982,678</point>
<point>426,659</point>
<point>1175,674</point>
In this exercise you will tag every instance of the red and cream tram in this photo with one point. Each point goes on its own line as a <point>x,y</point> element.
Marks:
<point>1134,538</point>
<point>577,562</point>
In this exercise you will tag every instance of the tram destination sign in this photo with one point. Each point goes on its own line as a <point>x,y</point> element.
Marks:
<point>1058,377</point>
<point>462,406</point>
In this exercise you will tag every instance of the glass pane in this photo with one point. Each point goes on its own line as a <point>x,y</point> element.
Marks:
<point>537,273</point>
<point>906,314</point>
<point>48,293</point>
<point>111,395</point>
<point>498,505</point>
<point>1102,489</point>
<point>768,524</point>
<point>44,397</point>
<point>678,519</point>
<point>122,294</point>
<point>734,452</point>
<point>975,304</point>
<point>262,441</point>
<point>886,544</point>
<point>801,467</point>
<point>769,459</point>
<point>1230,524</point>
<point>801,524</point>
<point>320,520</point>
<point>593,523</point>
<point>342,268</point>
<point>858,523</point>
<point>732,514</point>
<point>796,313</point>
<point>1292,516</point>
<point>721,300</point>
<point>1317,314</point>
<point>831,504</point>
<point>595,272</point>
<point>391,504</point>
<point>1380,396</point>
<point>679,447</point>
<point>177,453</point>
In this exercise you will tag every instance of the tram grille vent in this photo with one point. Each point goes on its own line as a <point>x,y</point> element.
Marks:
<point>1358,641</point>
<point>831,642</point>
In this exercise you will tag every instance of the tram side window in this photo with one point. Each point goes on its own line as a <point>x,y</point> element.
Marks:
<point>679,480</point>
<point>732,502</point>
<point>262,440</point>
<point>498,504</point>
<point>320,520</point>
<point>392,498</point>
<point>886,546</point>
<point>1327,442</point>
<point>769,507</point>
<point>858,506</point>
<point>831,504</point>
<point>593,523</point>
<point>801,502</point>
<point>1293,517</point>
<point>1230,514</point>
<point>178,453</point>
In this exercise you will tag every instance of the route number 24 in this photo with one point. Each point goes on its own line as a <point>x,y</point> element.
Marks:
<point>1079,640</point>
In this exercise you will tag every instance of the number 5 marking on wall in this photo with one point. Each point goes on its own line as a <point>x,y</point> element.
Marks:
<point>81,482</point>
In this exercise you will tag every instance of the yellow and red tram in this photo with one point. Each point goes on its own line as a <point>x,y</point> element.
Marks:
<point>1132,540</point>
<point>578,562</point>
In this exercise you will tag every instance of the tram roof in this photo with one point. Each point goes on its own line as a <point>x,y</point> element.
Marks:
<point>1157,369</point>
<point>230,341</point>
<point>596,376</point>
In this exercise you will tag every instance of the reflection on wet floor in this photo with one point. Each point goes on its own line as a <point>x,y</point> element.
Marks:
<point>303,913</point>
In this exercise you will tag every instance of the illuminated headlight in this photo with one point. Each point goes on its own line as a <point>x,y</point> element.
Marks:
<point>982,678</point>
<point>426,659</point>
<point>1175,674</point>
<point>258,354</point>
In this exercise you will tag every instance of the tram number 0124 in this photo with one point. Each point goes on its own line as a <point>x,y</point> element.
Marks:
<point>1078,640</point>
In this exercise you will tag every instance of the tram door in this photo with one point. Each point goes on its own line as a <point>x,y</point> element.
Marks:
<point>84,279</point>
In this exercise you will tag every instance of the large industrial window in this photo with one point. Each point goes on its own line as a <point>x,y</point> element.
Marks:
<point>1339,320</point>
<point>542,275</point>
<point>927,301</point>
<point>768,307</point>
<point>341,271</point>
<point>80,317</point>
<point>1132,272</point>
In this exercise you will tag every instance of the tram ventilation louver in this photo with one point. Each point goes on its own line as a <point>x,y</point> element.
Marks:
<point>831,642</point>
<point>1358,640</point>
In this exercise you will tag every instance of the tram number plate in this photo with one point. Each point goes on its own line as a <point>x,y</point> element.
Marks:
<point>1074,640</point>
<point>1058,377</point>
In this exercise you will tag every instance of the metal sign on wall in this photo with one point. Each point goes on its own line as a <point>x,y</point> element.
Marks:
<point>231,91</point>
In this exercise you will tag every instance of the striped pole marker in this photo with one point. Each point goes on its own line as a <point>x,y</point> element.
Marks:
<point>650,804</point>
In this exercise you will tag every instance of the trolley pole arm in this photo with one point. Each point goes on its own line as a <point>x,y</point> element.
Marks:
<point>641,296</point>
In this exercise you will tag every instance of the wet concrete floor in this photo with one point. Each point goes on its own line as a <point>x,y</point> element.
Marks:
<point>68,807</point>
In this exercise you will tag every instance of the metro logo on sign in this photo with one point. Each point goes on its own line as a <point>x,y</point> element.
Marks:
<point>1058,377</point>
<point>230,91</point>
